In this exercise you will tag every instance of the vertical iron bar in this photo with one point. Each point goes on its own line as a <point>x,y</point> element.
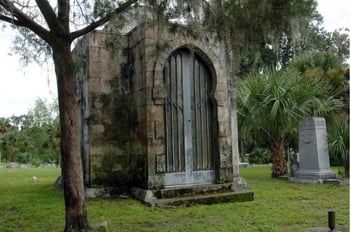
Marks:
<point>173,115</point>
<point>179,106</point>
<point>166,110</point>
<point>203,118</point>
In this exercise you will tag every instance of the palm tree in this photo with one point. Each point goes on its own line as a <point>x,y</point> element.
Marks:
<point>5,126</point>
<point>328,67</point>
<point>270,105</point>
<point>339,143</point>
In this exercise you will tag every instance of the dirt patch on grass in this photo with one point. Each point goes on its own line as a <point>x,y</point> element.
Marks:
<point>11,210</point>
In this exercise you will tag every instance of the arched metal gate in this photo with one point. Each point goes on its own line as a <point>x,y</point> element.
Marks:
<point>188,120</point>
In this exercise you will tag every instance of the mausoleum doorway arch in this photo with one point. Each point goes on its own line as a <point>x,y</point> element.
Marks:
<point>189,119</point>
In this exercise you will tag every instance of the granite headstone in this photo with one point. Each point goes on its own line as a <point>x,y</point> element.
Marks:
<point>314,165</point>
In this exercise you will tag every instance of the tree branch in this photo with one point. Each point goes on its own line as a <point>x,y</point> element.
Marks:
<point>63,13</point>
<point>50,16</point>
<point>10,20</point>
<point>102,20</point>
<point>21,19</point>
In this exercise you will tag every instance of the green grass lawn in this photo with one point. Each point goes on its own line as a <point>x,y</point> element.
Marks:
<point>279,205</point>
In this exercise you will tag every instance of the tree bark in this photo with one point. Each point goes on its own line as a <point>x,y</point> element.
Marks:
<point>72,168</point>
<point>279,167</point>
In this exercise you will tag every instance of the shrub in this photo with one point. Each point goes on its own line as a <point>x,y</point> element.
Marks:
<point>23,157</point>
<point>339,138</point>
<point>260,156</point>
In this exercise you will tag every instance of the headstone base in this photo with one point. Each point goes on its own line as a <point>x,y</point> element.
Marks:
<point>312,176</point>
<point>306,181</point>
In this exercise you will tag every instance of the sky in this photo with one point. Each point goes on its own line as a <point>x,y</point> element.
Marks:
<point>21,86</point>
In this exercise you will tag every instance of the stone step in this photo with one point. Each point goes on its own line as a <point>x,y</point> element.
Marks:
<point>207,199</point>
<point>187,191</point>
<point>203,196</point>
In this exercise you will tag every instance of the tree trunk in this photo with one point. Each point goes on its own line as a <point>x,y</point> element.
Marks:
<point>279,166</point>
<point>72,169</point>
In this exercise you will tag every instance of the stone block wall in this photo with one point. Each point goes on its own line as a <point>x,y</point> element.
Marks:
<point>122,97</point>
<point>104,82</point>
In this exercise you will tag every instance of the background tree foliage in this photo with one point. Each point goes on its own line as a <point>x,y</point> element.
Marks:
<point>33,138</point>
<point>263,33</point>
<point>270,33</point>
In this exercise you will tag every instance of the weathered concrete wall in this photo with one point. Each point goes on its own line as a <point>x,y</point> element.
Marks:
<point>104,81</point>
<point>123,96</point>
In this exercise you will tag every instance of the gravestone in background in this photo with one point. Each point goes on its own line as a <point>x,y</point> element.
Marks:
<point>314,165</point>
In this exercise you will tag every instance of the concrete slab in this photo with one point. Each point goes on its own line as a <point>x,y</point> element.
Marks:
<point>185,196</point>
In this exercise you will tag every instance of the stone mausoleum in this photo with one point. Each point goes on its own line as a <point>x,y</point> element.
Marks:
<point>158,116</point>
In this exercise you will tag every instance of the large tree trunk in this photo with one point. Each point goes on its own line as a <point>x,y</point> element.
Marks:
<point>279,167</point>
<point>72,169</point>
